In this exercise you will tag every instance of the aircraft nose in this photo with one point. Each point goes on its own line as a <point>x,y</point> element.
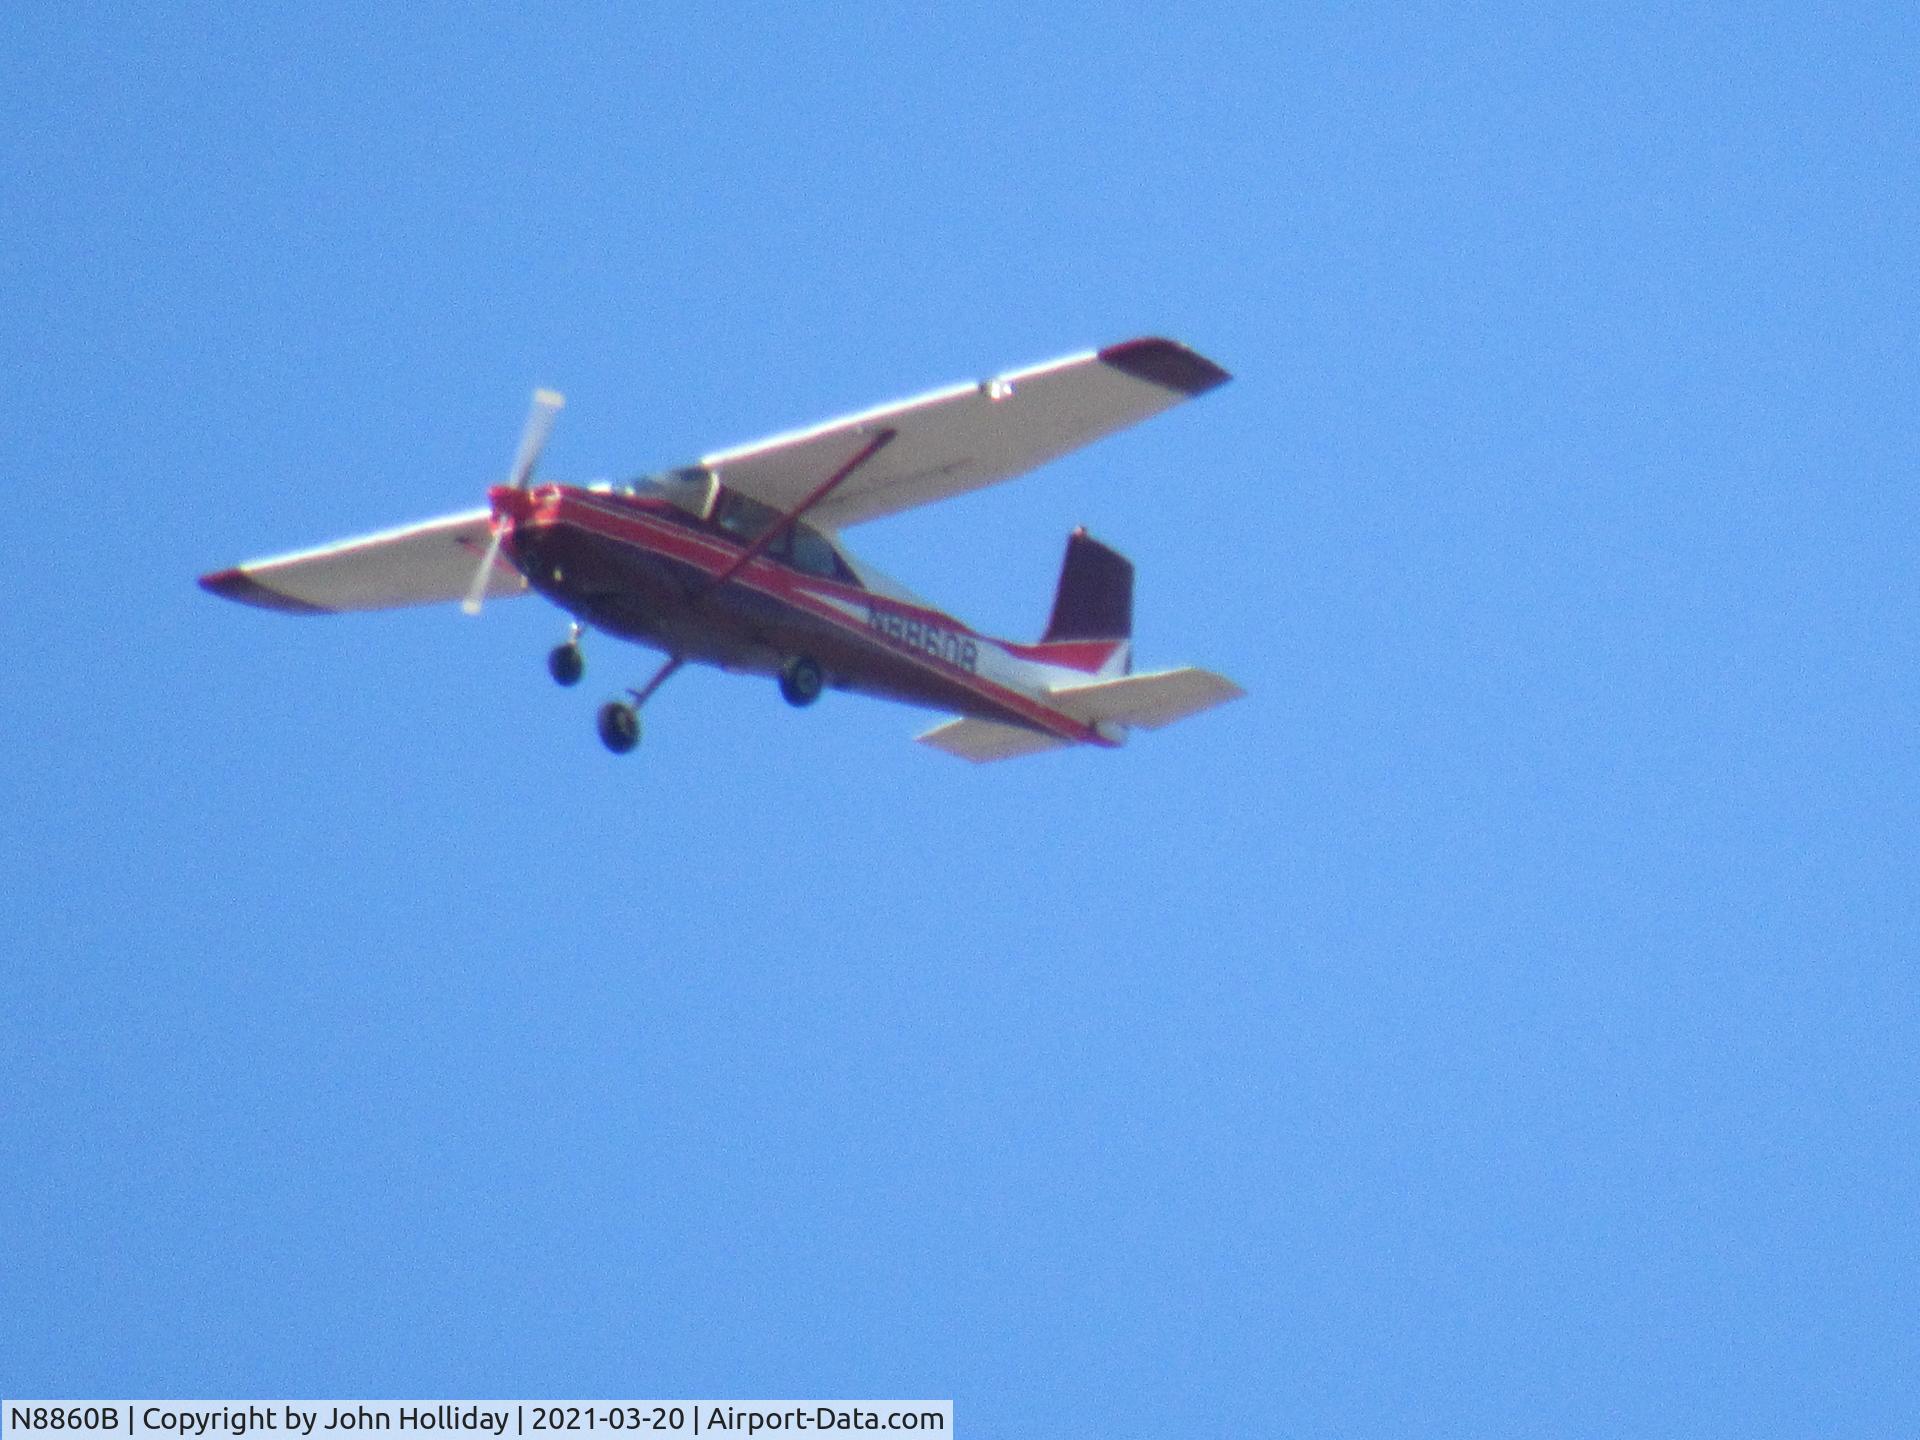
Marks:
<point>511,501</point>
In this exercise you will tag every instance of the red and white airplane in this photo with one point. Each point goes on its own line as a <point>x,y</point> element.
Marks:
<point>736,561</point>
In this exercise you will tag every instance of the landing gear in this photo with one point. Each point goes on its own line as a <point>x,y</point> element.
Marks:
<point>801,681</point>
<point>566,664</point>
<point>620,719</point>
<point>619,726</point>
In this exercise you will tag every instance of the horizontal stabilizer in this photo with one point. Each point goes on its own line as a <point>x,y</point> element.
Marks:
<point>984,740</point>
<point>1146,700</point>
<point>420,564</point>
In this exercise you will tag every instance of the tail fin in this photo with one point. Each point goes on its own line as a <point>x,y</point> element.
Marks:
<point>1094,600</point>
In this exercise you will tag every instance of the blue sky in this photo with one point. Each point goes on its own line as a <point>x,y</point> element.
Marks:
<point>1502,1021</point>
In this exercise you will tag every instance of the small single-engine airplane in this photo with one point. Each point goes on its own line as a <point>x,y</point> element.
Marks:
<point>736,561</point>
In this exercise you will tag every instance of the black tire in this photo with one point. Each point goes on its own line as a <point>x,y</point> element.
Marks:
<point>619,726</point>
<point>801,681</point>
<point>566,664</point>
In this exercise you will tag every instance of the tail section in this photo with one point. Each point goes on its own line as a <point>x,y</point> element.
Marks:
<point>1094,600</point>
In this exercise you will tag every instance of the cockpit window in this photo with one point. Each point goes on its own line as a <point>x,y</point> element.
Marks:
<point>744,517</point>
<point>798,546</point>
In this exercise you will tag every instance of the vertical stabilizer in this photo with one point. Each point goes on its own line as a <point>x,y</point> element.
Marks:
<point>1094,600</point>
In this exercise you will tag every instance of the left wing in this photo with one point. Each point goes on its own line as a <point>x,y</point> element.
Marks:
<point>966,436</point>
<point>420,564</point>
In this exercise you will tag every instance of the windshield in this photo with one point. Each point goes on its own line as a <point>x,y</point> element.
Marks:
<point>690,488</point>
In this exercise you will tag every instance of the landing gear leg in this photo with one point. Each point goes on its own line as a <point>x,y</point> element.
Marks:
<point>801,681</point>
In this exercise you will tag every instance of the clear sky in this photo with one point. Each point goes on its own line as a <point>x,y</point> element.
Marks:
<point>1503,1021</point>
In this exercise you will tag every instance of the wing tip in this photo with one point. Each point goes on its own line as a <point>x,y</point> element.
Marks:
<point>1166,363</point>
<point>237,584</point>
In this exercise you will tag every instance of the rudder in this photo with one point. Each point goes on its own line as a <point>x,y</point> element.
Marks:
<point>1094,600</point>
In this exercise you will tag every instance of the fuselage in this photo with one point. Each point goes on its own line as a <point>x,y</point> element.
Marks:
<point>645,568</point>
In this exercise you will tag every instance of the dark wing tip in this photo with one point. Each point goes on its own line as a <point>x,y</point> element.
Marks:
<point>1167,363</point>
<point>238,585</point>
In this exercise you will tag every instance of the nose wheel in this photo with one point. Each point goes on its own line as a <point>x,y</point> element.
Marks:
<point>566,664</point>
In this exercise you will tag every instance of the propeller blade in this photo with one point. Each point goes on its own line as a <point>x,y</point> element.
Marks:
<point>546,405</point>
<point>533,439</point>
<point>471,605</point>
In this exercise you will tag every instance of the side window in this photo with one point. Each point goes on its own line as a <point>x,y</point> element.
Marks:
<point>738,515</point>
<point>811,553</point>
<point>815,555</point>
<point>804,549</point>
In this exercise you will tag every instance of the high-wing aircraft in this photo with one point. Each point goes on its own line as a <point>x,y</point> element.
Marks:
<point>736,561</point>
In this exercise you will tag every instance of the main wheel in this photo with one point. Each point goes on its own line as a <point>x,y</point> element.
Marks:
<point>566,664</point>
<point>801,681</point>
<point>619,726</point>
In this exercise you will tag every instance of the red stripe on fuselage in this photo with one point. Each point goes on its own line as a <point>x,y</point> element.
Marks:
<point>630,524</point>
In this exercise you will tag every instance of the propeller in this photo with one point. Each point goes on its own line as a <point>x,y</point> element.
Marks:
<point>546,405</point>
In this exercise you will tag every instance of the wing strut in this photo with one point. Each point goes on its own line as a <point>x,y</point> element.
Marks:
<point>622,733</point>
<point>820,492</point>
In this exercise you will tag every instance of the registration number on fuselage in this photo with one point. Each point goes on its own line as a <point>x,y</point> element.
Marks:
<point>935,640</point>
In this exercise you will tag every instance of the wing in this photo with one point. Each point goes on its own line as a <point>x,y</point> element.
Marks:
<point>420,564</point>
<point>967,436</point>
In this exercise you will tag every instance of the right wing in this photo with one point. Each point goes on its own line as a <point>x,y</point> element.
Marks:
<point>966,436</point>
<point>420,564</point>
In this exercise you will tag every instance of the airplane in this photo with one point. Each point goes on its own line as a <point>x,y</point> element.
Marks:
<point>736,561</point>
